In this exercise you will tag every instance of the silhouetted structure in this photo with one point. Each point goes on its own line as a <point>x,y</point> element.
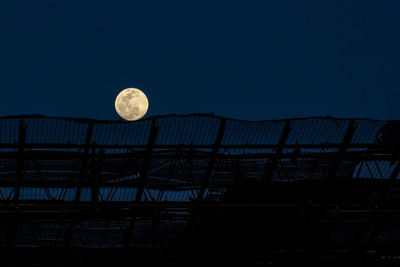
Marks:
<point>199,189</point>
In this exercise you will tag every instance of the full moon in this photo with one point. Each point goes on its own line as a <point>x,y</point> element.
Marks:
<point>131,104</point>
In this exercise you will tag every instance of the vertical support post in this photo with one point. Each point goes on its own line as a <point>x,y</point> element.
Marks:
<point>69,231</point>
<point>18,179</point>
<point>395,172</point>
<point>20,159</point>
<point>155,223</point>
<point>94,174</point>
<point>206,180</point>
<point>84,160</point>
<point>142,180</point>
<point>351,129</point>
<point>391,181</point>
<point>378,227</point>
<point>332,190</point>
<point>147,159</point>
<point>156,227</point>
<point>211,162</point>
<point>233,192</point>
<point>271,166</point>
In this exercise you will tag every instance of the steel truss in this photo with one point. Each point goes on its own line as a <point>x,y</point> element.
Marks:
<point>304,200</point>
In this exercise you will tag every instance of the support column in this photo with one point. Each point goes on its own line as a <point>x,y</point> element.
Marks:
<point>271,166</point>
<point>10,235</point>
<point>84,160</point>
<point>20,159</point>
<point>97,159</point>
<point>69,231</point>
<point>351,129</point>
<point>211,162</point>
<point>142,181</point>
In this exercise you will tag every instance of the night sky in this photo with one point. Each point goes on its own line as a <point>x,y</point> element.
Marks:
<point>250,61</point>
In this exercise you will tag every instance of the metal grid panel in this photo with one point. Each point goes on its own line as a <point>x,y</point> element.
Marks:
<point>169,195</point>
<point>6,193</point>
<point>317,131</point>
<point>367,131</point>
<point>199,130</point>
<point>252,133</point>
<point>121,133</point>
<point>117,194</point>
<point>374,169</point>
<point>9,130</point>
<point>183,151</point>
<point>55,130</point>
<point>172,168</point>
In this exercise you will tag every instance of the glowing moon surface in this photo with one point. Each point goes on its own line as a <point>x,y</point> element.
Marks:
<point>131,104</point>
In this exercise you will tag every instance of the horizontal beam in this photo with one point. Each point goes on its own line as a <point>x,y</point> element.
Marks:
<point>135,183</point>
<point>390,147</point>
<point>275,211</point>
<point>356,155</point>
<point>50,256</point>
<point>45,206</point>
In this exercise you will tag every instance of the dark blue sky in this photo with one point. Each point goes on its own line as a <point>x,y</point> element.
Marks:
<point>265,60</point>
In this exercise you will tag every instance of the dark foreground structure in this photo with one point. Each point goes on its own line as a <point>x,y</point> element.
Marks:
<point>199,190</point>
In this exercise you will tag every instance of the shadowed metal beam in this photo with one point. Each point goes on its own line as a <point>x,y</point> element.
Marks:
<point>200,146</point>
<point>94,174</point>
<point>206,180</point>
<point>69,231</point>
<point>20,159</point>
<point>391,183</point>
<point>141,181</point>
<point>84,160</point>
<point>211,162</point>
<point>271,166</point>
<point>351,129</point>
<point>18,179</point>
<point>134,184</point>
<point>395,172</point>
<point>147,159</point>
